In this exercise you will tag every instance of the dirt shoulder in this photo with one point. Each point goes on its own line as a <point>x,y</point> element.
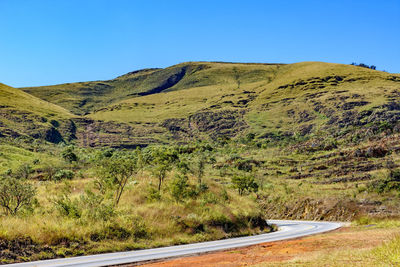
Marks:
<point>305,251</point>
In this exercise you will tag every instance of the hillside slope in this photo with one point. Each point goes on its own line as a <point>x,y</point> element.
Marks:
<point>267,100</point>
<point>85,97</point>
<point>24,114</point>
<point>211,99</point>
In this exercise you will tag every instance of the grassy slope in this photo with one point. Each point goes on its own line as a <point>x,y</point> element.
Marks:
<point>82,97</point>
<point>190,87</point>
<point>268,106</point>
<point>24,114</point>
<point>301,98</point>
<point>17,99</point>
<point>270,109</point>
<point>86,97</point>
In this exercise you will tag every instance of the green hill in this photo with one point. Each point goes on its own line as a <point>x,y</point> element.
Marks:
<point>85,97</point>
<point>24,114</point>
<point>268,100</point>
<point>210,99</point>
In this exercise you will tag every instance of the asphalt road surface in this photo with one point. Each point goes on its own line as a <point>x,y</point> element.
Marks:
<point>287,230</point>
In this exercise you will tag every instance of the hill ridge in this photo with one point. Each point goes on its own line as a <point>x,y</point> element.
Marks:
<point>210,99</point>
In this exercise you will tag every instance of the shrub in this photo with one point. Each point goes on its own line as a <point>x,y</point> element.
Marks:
<point>63,174</point>
<point>97,206</point>
<point>391,182</point>
<point>111,231</point>
<point>115,172</point>
<point>66,206</point>
<point>153,194</point>
<point>179,187</point>
<point>244,183</point>
<point>372,67</point>
<point>209,198</point>
<point>23,171</point>
<point>49,171</point>
<point>114,231</point>
<point>69,155</point>
<point>15,194</point>
<point>139,228</point>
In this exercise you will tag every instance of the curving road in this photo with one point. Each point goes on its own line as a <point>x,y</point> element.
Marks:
<point>287,230</point>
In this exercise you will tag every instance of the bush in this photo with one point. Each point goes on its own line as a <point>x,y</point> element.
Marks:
<point>391,182</point>
<point>111,231</point>
<point>209,198</point>
<point>49,172</point>
<point>179,187</point>
<point>63,174</point>
<point>115,172</point>
<point>15,194</point>
<point>153,194</point>
<point>69,155</point>
<point>23,171</point>
<point>244,183</point>
<point>66,206</point>
<point>97,206</point>
<point>372,67</point>
<point>139,228</point>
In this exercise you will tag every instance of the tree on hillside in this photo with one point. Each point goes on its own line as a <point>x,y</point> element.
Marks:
<point>115,172</point>
<point>372,67</point>
<point>179,187</point>
<point>199,167</point>
<point>162,160</point>
<point>15,194</point>
<point>244,183</point>
<point>160,171</point>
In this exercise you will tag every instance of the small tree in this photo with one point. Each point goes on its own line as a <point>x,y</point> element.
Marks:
<point>199,167</point>
<point>244,183</point>
<point>160,171</point>
<point>162,160</point>
<point>15,194</point>
<point>115,173</point>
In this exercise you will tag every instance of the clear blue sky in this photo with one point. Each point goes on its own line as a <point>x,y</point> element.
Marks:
<point>55,41</point>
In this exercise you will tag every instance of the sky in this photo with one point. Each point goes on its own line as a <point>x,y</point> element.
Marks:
<point>58,41</point>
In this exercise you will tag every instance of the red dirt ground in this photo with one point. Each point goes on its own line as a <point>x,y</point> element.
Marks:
<point>282,251</point>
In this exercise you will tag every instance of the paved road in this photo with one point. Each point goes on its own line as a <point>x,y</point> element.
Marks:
<point>287,230</point>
